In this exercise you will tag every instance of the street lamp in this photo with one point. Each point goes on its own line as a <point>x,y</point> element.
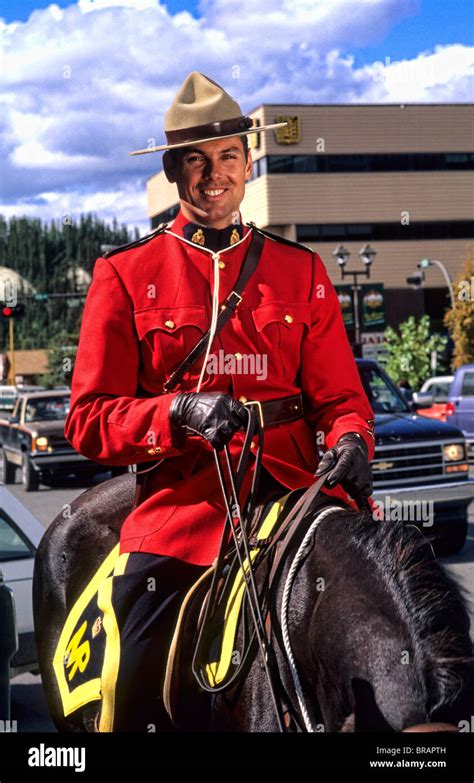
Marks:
<point>427,262</point>
<point>367,255</point>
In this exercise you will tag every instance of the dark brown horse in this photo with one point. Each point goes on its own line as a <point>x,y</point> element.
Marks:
<point>378,631</point>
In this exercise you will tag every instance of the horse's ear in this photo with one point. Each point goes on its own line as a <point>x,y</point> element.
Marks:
<point>368,717</point>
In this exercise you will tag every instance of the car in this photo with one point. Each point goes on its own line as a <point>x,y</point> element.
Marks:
<point>439,383</point>
<point>20,534</point>
<point>419,463</point>
<point>8,647</point>
<point>32,438</point>
<point>433,397</point>
<point>8,397</point>
<point>460,405</point>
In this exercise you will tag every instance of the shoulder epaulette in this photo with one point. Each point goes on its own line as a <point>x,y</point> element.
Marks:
<point>278,238</point>
<point>137,242</point>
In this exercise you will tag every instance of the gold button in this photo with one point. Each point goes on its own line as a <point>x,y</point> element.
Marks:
<point>253,446</point>
<point>157,449</point>
<point>238,356</point>
<point>221,264</point>
<point>242,398</point>
<point>151,451</point>
<point>288,319</point>
<point>170,324</point>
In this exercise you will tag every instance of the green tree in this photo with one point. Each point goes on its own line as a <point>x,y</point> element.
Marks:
<point>46,255</point>
<point>409,351</point>
<point>460,319</point>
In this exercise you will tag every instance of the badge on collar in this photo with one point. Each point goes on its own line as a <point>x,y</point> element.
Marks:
<point>198,237</point>
<point>234,237</point>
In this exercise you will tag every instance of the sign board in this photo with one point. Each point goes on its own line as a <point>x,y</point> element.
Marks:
<point>346,300</point>
<point>372,310</point>
<point>289,134</point>
<point>372,338</point>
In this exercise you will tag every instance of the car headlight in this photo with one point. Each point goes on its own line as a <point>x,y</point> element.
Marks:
<point>41,443</point>
<point>454,452</point>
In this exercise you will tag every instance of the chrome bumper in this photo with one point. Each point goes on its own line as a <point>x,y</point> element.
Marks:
<point>39,458</point>
<point>459,491</point>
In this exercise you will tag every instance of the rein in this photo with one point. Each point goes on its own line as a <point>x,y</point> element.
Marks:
<point>241,521</point>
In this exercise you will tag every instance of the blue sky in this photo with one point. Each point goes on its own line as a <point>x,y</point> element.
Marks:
<point>435,21</point>
<point>87,81</point>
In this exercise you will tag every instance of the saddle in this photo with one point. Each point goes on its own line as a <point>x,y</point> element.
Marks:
<point>229,639</point>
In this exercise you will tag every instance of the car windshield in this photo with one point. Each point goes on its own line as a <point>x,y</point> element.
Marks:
<point>47,409</point>
<point>382,393</point>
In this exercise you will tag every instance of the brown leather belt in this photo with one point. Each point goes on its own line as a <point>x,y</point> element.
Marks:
<point>278,411</point>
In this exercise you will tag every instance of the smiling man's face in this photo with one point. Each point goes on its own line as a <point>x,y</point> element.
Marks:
<point>211,179</point>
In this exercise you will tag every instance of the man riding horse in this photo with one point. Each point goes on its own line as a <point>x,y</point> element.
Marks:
<point>148,305</point>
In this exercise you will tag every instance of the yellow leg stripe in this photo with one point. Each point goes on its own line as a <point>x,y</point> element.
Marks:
<point>88,691</point>
<point>112,649</point>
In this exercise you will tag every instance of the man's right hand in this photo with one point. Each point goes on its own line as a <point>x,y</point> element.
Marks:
<point>214,415</point>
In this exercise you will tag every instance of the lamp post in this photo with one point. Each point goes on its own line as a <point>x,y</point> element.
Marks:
<point>367,255</point>
<point>427,262</point>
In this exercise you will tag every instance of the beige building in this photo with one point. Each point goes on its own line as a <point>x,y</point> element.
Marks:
<point>399,177</point>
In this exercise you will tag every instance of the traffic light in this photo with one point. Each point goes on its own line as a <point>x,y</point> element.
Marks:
<point>12,311</point>
<point>416,280</point>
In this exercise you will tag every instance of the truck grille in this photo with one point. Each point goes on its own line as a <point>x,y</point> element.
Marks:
<point>404,465</point>
<point>59,442</point>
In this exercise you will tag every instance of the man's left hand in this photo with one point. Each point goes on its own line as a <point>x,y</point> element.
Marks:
<point>351,468</point>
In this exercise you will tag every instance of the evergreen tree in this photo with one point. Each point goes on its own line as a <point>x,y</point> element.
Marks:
<point>45,256</point>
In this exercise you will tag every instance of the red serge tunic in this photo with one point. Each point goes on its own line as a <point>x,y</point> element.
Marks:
<point>146,307</point>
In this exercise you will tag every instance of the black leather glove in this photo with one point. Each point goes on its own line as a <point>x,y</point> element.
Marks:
<point>351,468</point>
<point>214,415</point>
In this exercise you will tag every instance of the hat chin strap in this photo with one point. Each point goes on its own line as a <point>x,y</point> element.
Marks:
<point>191,208</point>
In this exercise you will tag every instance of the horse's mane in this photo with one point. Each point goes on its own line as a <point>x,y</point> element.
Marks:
<point>428,599</point>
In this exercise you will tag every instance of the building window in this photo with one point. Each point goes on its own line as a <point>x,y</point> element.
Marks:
<point>341,232</point>
<point>336,164</point>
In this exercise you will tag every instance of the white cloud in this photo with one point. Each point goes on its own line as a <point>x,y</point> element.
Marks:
<point>97,5</point>
<point>86,84</point>
<point>445,75</point>
<point>128,205</point>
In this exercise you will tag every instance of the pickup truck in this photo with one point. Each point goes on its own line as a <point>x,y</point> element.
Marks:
<point>460,405</point>
<point>420,466</point>
<point>32,438</point>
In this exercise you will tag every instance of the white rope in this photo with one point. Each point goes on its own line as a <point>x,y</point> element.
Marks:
<point>284,614</point>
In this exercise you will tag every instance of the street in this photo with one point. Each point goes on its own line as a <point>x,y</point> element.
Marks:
<point>29,707</point>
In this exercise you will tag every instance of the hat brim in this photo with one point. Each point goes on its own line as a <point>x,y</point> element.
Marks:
<point>257,129</point>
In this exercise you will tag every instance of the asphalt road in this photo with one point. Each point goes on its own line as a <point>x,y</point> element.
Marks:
<point>28,703</point>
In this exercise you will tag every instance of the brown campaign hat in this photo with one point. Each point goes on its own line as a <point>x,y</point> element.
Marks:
<point>203,111</point>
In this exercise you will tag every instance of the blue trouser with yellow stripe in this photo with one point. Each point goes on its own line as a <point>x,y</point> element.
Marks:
<point>143,604</point>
